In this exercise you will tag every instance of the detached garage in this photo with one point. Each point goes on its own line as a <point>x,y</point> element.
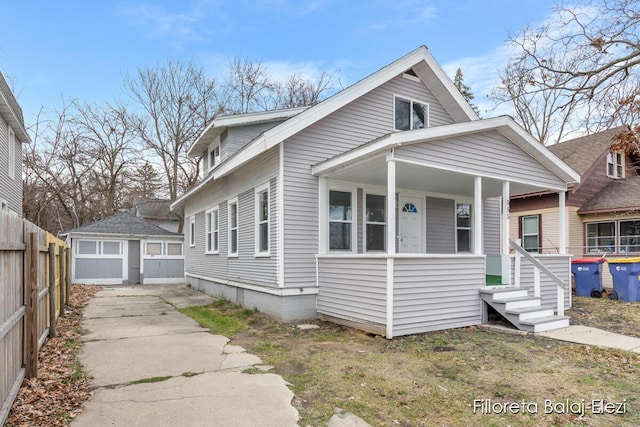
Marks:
<point>125,249</point>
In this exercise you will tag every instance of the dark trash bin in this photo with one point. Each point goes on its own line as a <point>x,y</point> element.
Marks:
<point>626,281</point>
<point>588,275</point>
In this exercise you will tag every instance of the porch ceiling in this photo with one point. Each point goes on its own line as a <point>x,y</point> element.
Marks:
<point>373,171</point>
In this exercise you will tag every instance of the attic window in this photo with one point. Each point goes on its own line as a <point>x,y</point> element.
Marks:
<point>615,165</point>
<point>411,75</point>
<point>214,155</point>
<point>410,114</point>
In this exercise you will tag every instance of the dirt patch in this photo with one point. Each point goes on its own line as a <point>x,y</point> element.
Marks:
<point>433,379</point>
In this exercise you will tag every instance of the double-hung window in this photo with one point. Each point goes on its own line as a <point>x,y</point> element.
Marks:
<point>375,222</point>
<point>232,210</point>
<point>615,165</point>
<point>262,220</point>
<point>410,114</point>
<point>214,155</point>
<point>463,227</point>
<point>530,226</point>
<point>340,220</point>
<point>212,231</point>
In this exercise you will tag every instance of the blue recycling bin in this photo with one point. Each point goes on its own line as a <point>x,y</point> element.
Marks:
<point>626,279</point>
<point>588,275</point>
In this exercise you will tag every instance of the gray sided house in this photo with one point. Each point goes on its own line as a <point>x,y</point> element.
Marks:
<point>384,207</point>
<point>125,249</point>
<point>12,136</point>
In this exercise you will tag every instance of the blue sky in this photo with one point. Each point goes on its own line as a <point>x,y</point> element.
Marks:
<point>50,50</point>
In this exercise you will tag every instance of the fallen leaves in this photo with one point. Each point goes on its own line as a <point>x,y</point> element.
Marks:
<point>57,394</point>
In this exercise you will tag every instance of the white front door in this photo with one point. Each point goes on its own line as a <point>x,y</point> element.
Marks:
<point>410,225</point>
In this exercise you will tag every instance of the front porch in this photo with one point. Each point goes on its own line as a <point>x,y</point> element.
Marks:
<point>411,225</point>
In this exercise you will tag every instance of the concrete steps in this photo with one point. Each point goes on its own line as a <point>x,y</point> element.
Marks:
<point>521,310</point>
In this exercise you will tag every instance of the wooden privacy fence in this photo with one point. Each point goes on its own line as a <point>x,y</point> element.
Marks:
<point>34,289</point>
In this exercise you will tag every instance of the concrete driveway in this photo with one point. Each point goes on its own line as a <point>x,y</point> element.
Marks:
<point>152,365</point>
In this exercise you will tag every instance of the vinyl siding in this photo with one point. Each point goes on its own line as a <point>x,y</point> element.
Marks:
<point>436,293</point>
<point>10,188</point>
<point>550,230</point>
<point>96,268</point>
<point>163,268</point>
<point>361,121</point>
<point>560,265</point>
<point>483,154</point>
<point>353,288</point>
<point>441,227</point>
<point>491,225</point>
<point>237,137</point>
<point>246,268</point>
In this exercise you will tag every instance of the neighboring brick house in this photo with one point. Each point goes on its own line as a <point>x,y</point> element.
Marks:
<point>602,211</point>
<point>12,136</point>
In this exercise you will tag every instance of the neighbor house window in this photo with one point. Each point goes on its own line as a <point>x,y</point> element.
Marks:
<point>530,226</point>
<point>463,227</point>
<point>233,227</point>
<point>630,236</point>
<point>192,231</point>
<point>375,222</point>
<point>340,220</point>
<point>12,154</point>
<point>262,220</point>
<point>410,114</point>
<point>212,230</point>
<point>615,165</point>
<point>601,237</point>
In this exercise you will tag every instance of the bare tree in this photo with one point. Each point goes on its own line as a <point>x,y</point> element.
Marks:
<point>585,60</point>
<point>298,91</point>
<point>178,100</point>
<point>247,87</point>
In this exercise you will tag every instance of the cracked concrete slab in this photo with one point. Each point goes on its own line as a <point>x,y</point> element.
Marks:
<point>228,399</point>
<point>135,334</point>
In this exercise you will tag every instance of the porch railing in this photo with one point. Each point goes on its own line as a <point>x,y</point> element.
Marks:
<point>537,268</point>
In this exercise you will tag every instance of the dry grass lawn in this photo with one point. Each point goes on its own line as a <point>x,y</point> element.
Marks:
<point>434,379</point>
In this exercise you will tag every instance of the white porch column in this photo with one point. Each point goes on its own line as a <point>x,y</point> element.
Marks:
<point>391,206</point>
<point>323,221</point>
<point>477,216</point>
<point>506,260</point>
<point>391,239</point>
<point>562,218</point>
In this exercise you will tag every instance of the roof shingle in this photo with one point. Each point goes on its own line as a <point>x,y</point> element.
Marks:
<point>123,224</point>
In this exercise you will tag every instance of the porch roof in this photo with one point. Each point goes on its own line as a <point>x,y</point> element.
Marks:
<point>367,163</point>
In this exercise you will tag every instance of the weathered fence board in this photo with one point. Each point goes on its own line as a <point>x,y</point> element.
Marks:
<point>28,308</point>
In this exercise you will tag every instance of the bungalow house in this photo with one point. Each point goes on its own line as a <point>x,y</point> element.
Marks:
<point>602,211</point>
<point>383,207</point>
<point>12,136</point>
<point>125,249</point>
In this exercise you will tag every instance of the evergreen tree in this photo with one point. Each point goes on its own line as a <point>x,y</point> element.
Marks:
<point>465,90</point>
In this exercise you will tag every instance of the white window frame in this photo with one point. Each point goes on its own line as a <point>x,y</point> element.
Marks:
<point>212,234</point>
<point>615,162</point>
<point>164,249</point>
<point>99,245</point>
<point>367,222</point>
<point>258,222</point>
<point>470,228</point>
<point>538,245</point>
<point>213,154</point>
<point>411,101</point>
<point>11,171</point>
<point>192,231</point>
<point>231,229</point>
<point>354,218</point>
